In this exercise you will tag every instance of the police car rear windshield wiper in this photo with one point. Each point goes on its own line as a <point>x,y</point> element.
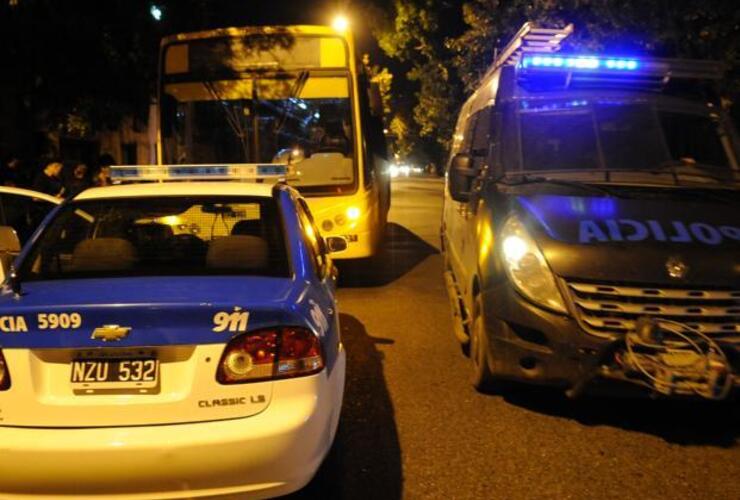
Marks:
<point>522,179</point>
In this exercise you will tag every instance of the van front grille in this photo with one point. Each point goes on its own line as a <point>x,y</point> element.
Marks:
<point>605,309</point>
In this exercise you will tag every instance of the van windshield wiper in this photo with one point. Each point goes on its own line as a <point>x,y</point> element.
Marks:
<point>693,169</point>
<point>523,179</point>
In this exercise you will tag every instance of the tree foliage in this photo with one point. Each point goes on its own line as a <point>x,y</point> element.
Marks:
<point>78,62</point>
<point>414,36</point>
<point>446,65</point>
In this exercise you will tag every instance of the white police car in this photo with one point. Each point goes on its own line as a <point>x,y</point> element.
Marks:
<point>170,340</point>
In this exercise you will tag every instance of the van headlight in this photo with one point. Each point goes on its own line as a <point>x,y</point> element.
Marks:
<point>527,268</point>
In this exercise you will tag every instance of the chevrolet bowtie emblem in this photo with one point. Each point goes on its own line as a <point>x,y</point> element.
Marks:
<point>108,333</point>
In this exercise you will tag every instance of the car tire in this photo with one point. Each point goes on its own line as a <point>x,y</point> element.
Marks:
<point>483,379</point>
<point>465,348</point>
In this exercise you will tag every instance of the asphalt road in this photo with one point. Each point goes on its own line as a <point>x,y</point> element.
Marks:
<point>413,426</point>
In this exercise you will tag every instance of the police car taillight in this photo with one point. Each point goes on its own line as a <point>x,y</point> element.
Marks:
<point>272,353</point>
<point>4,374</point>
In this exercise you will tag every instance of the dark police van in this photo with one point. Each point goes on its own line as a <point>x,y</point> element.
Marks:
<point>591,226</point>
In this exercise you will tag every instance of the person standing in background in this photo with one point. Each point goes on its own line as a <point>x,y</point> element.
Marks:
<point>102,177</point>
<point>13,173</point>
<point>78,182</point>
<point>48,181</point>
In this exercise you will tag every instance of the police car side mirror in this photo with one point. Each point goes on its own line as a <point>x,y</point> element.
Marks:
<point>461,177</point>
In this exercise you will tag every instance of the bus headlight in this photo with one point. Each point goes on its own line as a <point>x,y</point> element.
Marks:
<point>527,268</point>
<point>350,215</point>
<point>353,213</point>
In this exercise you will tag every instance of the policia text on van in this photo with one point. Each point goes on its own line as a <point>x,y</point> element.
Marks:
<point>591,224</point>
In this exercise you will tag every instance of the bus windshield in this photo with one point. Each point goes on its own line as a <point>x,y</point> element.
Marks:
<point>294,96</point>
<point>262,99</point>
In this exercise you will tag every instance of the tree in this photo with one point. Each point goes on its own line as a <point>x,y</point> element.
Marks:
<point>414,37</point>
<point>445,60</point>
<point>663,28</point>
<point>75,67</point>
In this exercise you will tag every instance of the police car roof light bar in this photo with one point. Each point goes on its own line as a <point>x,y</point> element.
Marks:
<point>246,172</point>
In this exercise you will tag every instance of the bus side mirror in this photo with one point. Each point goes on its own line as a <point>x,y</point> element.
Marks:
<point>336,244</point>
<point>461,177</point>
<point>375,100</point>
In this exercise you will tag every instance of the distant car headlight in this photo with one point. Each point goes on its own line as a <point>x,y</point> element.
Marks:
<point>527,268</point>
<point>393,171</point>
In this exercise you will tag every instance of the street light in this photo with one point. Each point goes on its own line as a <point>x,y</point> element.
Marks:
<point>156,12</point>
<point>340,23</point>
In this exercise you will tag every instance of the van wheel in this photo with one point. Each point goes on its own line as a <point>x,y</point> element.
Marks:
<point>483,379</point>
<point>465,344</point>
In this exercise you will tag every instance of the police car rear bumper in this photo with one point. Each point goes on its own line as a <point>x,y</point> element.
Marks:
<point>273,453</point>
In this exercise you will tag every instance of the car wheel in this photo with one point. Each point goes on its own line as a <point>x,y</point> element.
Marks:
<point>465,348</point>
<point>483,378</point>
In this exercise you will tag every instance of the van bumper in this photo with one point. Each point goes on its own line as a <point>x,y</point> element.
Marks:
<point>527,343</point>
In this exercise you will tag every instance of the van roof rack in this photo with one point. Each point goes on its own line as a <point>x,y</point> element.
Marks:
<point>532,52</point>
<point>531,39</point>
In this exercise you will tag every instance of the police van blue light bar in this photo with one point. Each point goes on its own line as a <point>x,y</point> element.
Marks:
<point>162,173</point>
<point>580,63</point>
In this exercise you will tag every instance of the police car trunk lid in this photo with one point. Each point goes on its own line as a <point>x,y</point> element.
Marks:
<point>60,339</point>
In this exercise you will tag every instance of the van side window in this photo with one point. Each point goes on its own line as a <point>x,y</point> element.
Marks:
<point>468,134</point>
<point>509,152</point>
<point>482,137</point>
<point>482,134</point>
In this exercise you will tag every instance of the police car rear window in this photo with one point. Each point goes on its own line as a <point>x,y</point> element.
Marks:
<point>161,237</point>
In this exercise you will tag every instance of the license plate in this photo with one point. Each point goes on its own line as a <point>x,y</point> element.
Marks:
<point>140,373</point>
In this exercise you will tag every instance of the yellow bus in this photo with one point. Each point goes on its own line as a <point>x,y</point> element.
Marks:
<point>293,95</point>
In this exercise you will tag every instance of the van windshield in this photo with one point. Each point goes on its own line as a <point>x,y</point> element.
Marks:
<point>579,135</point>
<point>183,235</point>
